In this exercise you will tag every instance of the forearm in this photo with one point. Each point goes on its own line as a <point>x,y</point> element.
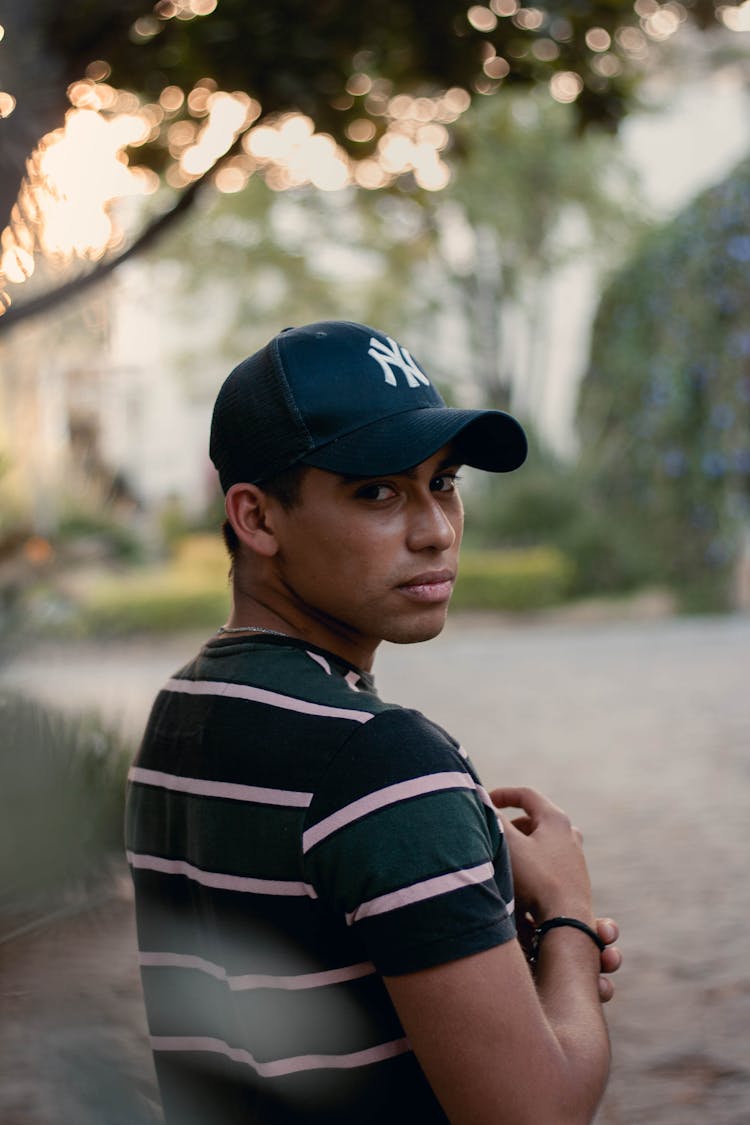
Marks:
<point>495,1049</point>
<point>566,975</point>
<point>495,1045</point>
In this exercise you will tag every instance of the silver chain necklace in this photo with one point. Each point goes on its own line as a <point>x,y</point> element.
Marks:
<point>250,629</point>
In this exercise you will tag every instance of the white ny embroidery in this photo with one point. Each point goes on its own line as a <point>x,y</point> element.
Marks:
<point>396,356</point>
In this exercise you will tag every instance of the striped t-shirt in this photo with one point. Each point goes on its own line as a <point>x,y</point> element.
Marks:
<point>292,838</point>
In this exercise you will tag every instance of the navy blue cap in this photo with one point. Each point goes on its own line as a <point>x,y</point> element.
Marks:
<point>346,398</point>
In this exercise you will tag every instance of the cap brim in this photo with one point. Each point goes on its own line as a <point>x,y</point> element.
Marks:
<point>485,439</point>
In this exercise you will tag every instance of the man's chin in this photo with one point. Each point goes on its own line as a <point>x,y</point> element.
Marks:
<point>413,632</point>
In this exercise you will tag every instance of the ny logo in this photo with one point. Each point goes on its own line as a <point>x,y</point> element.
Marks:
<point>396,356</point>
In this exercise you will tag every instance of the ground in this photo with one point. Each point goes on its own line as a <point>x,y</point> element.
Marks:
<point>640,728</point>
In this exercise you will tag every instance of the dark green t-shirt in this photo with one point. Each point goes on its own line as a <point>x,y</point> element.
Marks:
<point>293,838</point>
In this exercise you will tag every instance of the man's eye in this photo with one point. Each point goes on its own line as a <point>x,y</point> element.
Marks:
<point>446,482</point>
<point>375,492</point>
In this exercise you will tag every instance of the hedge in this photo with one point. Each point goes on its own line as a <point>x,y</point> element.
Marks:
<point>192,592</point>
<point>512,580</point>
<point>62,785</point>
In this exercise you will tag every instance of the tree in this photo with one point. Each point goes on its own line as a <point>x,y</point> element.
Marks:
<point>479,254</point>
<point>530,197</point>
<point>340,64</point>
<point>250,262</point>
<point>665,404</point>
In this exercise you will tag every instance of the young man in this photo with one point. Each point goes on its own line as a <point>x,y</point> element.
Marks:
<point>325,907</point>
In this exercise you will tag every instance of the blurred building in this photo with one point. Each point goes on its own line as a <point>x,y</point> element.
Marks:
<point>94,411</point>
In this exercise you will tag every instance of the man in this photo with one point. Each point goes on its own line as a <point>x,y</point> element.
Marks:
<point>325,907</point>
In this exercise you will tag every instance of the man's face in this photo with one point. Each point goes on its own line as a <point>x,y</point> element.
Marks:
<point>365,560</point>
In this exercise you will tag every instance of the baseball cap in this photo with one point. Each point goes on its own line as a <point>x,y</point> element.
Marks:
<point>347,398</point>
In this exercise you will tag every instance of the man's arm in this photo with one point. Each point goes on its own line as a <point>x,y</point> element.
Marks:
<point>496,1045</point>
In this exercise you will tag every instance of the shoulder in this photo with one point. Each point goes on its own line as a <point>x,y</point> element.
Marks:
<point>273,669</point>
<point>399,743</point>
<point>398,761</point>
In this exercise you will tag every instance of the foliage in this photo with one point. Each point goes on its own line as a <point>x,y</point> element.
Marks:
<point>190,592</point>
<point>550,503</point>
<point>665,406</point>
<point>518,580</point>
<point>463,271</point>
<point>269,259</point>
<point>529,196</point>
<point>62,783</point>
<point>116,538</point>
<point>339,63</point>
<point>154,607</point>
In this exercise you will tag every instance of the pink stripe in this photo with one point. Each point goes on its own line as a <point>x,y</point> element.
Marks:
<point>258,980</point>
<point>219,879</point>
<point>278,1067</point>
<point>260,695</point>
<point>418,892</point>
<point>381,798</point>
<point>485,798</point>
<point>320,660</point>
<point>256,793</point>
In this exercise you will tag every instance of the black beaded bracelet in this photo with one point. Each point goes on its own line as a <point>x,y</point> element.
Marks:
<point>552,924</point>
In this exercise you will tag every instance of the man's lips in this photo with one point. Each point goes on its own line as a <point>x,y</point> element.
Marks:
<point>431,586</point>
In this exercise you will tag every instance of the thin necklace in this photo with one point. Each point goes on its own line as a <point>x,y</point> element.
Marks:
<point>250,629</point>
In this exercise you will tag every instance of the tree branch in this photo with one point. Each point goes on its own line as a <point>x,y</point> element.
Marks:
<point>144,241</point>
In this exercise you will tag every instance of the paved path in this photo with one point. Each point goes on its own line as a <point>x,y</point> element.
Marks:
<point>641,730</point>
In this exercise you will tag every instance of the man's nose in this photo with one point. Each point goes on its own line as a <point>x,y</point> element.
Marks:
<point>430,526</point>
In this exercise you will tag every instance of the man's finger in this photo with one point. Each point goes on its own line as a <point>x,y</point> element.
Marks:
<point>608,930</point>
<point>606,990</point>
<point>516,797</point>
<point>611,959</point>
<point>533,803</point>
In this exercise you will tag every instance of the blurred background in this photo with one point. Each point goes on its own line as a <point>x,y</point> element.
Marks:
<point>549,205</point>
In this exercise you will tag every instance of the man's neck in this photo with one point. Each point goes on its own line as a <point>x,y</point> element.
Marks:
<point>255,613</point>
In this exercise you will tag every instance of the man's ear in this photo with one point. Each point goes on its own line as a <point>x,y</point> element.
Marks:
<point>247,510</point>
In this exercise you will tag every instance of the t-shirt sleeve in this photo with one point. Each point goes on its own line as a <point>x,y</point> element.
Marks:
<point>402,841</point>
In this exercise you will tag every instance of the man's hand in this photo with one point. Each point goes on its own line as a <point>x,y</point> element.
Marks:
<point>550,838</point>
<point>549,868</point>
<point>608,931</point>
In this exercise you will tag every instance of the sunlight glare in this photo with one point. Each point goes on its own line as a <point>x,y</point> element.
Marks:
<point>227,116</point>
<point>78,171</point>
<point>74,206</point>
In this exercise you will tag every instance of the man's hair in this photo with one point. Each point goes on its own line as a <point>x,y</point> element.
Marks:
<point>284,487</point>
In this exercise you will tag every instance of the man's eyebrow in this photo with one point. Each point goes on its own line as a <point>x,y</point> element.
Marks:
<point>446,463</point>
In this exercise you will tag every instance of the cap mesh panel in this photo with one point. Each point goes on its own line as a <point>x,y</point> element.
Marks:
<point>256,430</point>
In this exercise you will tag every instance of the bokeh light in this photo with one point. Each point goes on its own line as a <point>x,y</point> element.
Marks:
<point>77,173</point>
<point>736,19</point>
<point>598,39</point>
<point>565,86</point>
<point>482,19</point>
